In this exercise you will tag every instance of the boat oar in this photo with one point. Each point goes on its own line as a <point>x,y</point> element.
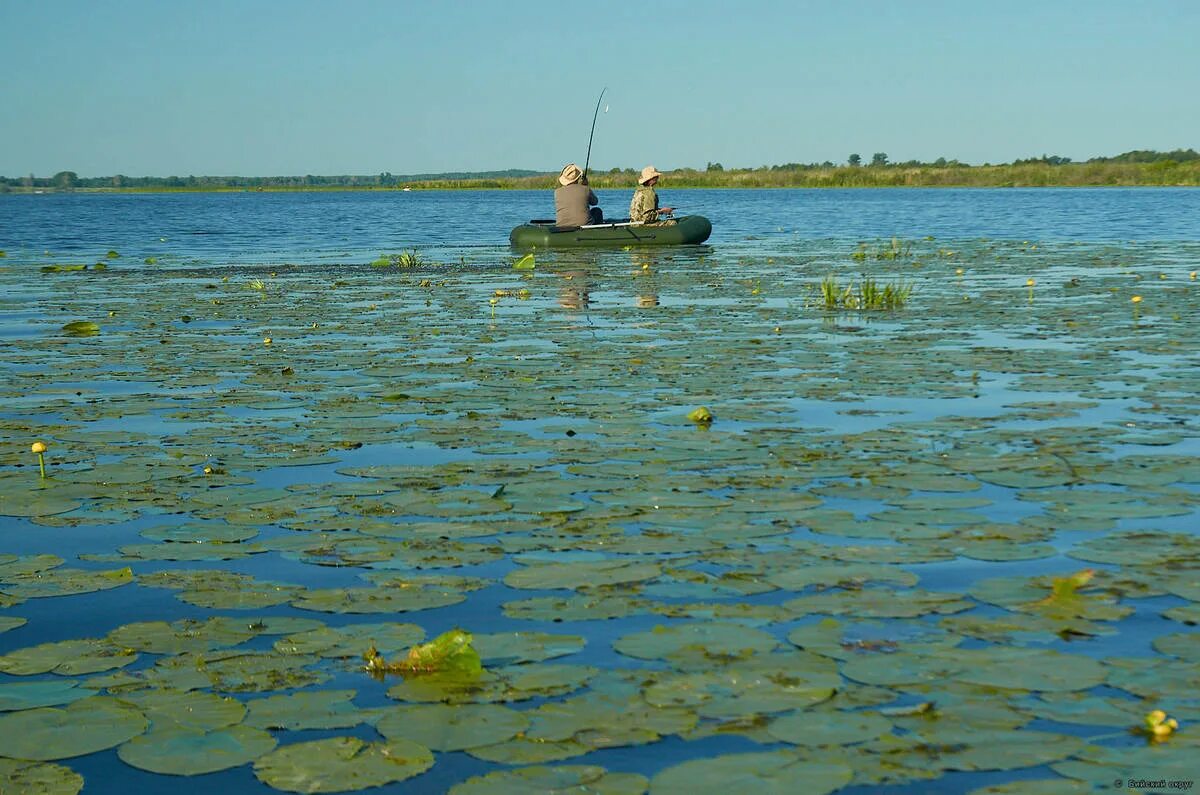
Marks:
<point>587,161</point>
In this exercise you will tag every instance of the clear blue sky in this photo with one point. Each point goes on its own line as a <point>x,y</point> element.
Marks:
<point>258,87</point>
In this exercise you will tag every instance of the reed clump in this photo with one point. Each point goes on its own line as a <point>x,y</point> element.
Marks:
<point>867,296</point>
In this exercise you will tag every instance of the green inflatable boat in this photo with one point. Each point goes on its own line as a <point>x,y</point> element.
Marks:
<point>687,229</point>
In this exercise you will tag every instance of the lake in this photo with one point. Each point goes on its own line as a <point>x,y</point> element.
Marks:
<point>946,546</point>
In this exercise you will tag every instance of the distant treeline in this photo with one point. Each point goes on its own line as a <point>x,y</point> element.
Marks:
<point>1140,167</point>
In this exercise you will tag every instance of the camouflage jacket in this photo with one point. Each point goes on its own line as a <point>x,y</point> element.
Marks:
<point>644,207</point>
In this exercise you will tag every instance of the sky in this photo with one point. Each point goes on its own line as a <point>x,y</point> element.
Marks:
<point>292,87</point>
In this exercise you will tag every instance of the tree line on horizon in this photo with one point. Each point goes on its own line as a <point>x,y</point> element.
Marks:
<point>1143,166</point>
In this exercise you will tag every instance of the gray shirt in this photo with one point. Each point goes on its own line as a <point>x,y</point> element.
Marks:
<point>571,204</point>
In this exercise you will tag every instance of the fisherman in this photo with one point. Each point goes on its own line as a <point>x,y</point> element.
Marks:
<point>573,202</point>
<point>644,208</point>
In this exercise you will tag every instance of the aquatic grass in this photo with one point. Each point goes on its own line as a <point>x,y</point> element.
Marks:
<point>867,295</point>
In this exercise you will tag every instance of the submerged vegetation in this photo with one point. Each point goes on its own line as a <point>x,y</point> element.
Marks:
<point>1141,167</point>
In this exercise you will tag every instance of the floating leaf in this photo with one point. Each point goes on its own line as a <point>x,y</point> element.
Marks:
<point>39,777</point>
<point>81,328</point>
<point>443,727</point>
<point>450,653</point>
<point>83,727</point>
<point>567,778</point>
<point>327,709</point>
<point>764,772</point>
<point>330,765</point>
<point>182,751</point>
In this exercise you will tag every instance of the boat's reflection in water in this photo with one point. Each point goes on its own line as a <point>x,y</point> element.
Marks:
<point>630,272</point>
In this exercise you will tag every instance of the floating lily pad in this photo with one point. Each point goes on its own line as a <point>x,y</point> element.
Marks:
<point>327,709</point>
<point>816,728</point>
<point>763,772</point>
<point>83,727</point>
<point>715,641</point>
<point>170,709</point>
<point>182,751</point>
<point>566,778</point>
<point>338,763</point>
<point>582,574</point>
<point>442,727</point>
<point>42,778</point>
<point>68,657</point>
<point>518,647</point>
<point>29,695</point>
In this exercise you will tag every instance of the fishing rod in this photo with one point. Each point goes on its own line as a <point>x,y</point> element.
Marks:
<point>593,133</point>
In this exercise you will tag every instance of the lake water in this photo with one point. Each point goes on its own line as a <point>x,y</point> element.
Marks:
<point>941,547</point>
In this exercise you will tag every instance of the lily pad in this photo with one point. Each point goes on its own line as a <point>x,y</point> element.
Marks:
<point>566,778</point>
<point>442,727</point>
<point>325,709</point>
<point>182,751</point>
<point>83,727</point>
<point>765,772</point>
<point>42,778</point>
<point>337,764</point>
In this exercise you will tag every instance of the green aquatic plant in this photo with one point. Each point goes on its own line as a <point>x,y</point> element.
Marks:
<point>451,652</point>
<point>868,295</point>
<point>81,328</point>
<point>405,259</point>
<point>39,448</point>
<point>894,250</point>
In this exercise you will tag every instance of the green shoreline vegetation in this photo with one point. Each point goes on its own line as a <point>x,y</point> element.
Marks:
<point>1180,167</point>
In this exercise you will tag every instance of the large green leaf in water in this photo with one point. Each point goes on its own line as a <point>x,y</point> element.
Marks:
<point>179,751</point>
<point>714,640</point>
<point>38,778</point>
<point>763,773</point>
<point>29,695</point>
<point>340,764</point>
<point>562,779</point>
<point>66,582</point>
<point>582,574</point>
<point>67,657</point>
<point>450,653</point>
<point>81,328</point>
<point>815,728</point>
<point>325,709</point>
<point>353,640</point>
<point>186,709</point>
<point>518,647</point>
<point>84,727</point>
<point>443,727</point>
<point>376,600</point>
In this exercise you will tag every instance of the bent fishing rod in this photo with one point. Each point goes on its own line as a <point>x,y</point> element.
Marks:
<point>593,133</point>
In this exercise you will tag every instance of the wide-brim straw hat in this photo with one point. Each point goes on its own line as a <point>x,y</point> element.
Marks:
<point>648,173</point>
<point>570,174</point>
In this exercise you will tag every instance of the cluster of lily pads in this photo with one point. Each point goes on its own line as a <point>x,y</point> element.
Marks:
<point>938,545</point>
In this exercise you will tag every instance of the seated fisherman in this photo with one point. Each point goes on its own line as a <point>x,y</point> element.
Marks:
<point>573,201</point>
<point>644,208</point>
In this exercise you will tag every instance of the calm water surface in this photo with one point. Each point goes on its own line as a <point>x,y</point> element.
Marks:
<point>357,226</point>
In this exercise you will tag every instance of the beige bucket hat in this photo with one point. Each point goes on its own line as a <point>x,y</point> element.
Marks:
<point>648,173</point>
<point>570,174</point>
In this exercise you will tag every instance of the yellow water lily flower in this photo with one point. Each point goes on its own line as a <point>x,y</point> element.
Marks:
<point>1030,282</point>
<point>37,447</point>
<point>266,340</point>
<point>1137,299</point>
<point>700,416</point>
<point>1158,726</point>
